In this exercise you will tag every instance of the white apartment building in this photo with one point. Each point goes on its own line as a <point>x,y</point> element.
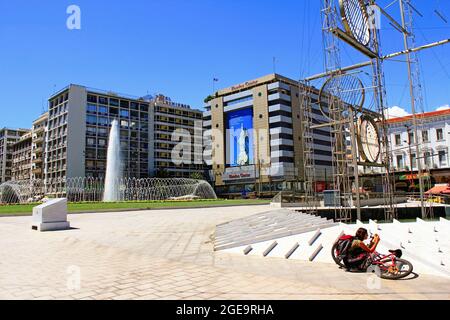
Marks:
<point>433,139</point>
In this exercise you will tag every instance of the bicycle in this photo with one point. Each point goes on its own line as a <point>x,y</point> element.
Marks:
<point>387,266</point>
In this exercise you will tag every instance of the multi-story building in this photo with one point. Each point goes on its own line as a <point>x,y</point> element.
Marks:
<point>433,140</point>
<point>254,137</point>
<point>38,132</point>
<point>78,128</point>
<point>8,137</point>
<point>170,117</point>
<point>21,158</point>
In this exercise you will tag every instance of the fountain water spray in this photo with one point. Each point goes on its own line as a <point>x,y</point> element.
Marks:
<point>113,165</point>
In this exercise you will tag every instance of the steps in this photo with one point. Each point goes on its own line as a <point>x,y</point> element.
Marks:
<point>266,226</point>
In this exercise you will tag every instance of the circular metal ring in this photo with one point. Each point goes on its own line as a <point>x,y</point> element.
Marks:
<point>340,92</point>
<point>356,20</point>
<point>369,142</point>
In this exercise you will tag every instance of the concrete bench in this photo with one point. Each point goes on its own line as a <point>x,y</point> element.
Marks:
<point>51,216</point>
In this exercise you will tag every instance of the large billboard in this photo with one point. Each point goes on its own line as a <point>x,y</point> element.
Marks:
<point>239,137</point>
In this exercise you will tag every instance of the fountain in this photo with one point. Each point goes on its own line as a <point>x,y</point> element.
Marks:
<point>113,165</point>
<point>89,189</point>
<point>114,187</point>
<point>24,191</point>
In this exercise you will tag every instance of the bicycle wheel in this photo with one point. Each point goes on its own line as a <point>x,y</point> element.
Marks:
<point>394,271</point>
<point>336,259</point>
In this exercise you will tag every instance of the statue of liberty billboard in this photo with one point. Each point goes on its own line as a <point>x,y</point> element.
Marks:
<point>243,158</point>
<point>239,137</point>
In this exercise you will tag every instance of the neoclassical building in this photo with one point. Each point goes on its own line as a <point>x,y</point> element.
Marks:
<point>433,139</point>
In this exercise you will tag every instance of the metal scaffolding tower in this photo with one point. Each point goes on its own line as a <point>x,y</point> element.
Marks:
<point>359,133</point>
<point>308,146</point>
<point>336,110</point>
<point>417,102</point>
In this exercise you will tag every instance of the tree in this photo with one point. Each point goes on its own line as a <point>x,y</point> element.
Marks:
<point>162,173</point>
<point>197,176</point>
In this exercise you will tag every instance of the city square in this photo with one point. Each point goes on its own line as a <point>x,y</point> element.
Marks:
<point>203,150</point>
<point>169,254</point>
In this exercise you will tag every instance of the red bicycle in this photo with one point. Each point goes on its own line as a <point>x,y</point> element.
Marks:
<point>389,266</point>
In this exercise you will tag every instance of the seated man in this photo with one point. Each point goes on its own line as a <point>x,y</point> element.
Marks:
<point>359,251</point>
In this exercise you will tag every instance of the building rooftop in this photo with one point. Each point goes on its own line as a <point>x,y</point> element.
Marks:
<point>254,83</point>
<point>159,98</point>
<point>420,116</point>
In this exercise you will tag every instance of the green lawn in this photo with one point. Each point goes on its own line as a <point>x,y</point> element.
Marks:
<point>26,209</point>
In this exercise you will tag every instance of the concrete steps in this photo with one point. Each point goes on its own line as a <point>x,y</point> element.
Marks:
<point>266,226</point>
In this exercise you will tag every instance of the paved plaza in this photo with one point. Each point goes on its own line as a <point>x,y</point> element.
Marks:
<point>168,254</point>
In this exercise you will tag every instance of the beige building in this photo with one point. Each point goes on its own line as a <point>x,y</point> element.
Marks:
<point>21,158</point>
<point>39,131</point>
<point>254,137</point>
<point>8,137</point>
<point>79,122</point>
<point>168,118</point>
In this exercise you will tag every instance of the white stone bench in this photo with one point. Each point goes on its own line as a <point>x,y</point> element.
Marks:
<point>50,216</point>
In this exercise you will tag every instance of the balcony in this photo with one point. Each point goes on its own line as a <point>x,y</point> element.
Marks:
<point>39,130</point>
<point>38,140</point>
<point>37,160</point>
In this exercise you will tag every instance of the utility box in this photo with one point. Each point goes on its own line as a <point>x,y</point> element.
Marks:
<point>332,198</point>
<point>51,216</point>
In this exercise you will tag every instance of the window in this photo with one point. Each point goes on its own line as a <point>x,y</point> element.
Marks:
<point>91,108</point>
<point>398,139</point>
<point>103,121</point>
<point>114,102</point>
<point>440,134</point>
<point>102,142</point>
<point>124,123</point>
<point>90,141</point>
<point>442,158</point>
<point>414,160</point>
<point>240,100</point>
<point>400,162</point>
<point>124,113</point>
<point>425,136</point>
<point>103,110</point>
<point>91,119</point>
<point>411,138</point>
<point>102,132</point>
<point>427,159</point>
<point>91,131</point>
<point>102,100</point>
<point>124,104</point>
<point>91,98</point>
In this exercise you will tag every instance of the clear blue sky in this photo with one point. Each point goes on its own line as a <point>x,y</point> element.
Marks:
<point>176,47</point>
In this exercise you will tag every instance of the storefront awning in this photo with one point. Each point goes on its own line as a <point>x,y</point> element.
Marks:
<point>439,189</point>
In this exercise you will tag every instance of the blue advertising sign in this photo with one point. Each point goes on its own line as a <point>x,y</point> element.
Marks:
<point>239,141</point>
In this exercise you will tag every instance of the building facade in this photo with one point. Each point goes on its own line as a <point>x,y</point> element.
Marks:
<point>170,117</point>
<point>21,158</point>
<point>8,137</point>
<point>79,121</point>
<point>434,144</point>
<point>38,145</point>
<point>254,137</point>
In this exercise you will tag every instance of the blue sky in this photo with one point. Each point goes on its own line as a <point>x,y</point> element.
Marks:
<point>177,47</point>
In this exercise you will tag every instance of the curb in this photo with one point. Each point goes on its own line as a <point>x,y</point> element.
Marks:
<point>140,209</point>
